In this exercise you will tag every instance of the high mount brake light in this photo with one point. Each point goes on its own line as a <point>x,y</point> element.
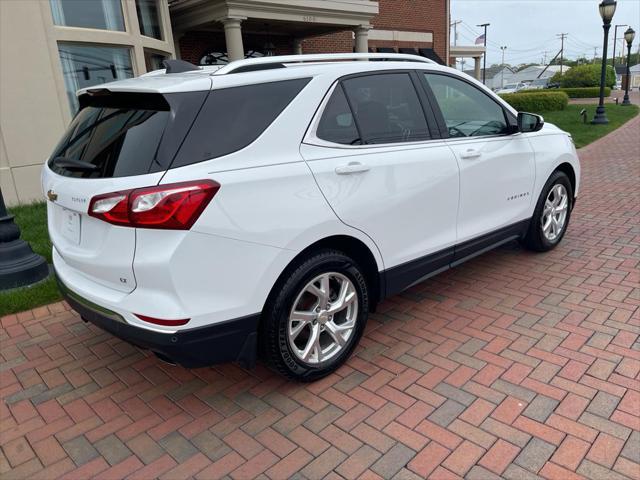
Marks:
<point>175,206</point>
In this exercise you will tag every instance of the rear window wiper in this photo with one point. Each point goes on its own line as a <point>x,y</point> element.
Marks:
<point>73,164</point>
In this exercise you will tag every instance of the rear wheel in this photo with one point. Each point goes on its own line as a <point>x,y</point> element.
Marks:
<point>551,216</point>
<point>316,317</point>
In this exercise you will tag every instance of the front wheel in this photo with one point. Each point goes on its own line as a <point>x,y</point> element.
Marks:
<point>316,317</point>
<point>551,216</point>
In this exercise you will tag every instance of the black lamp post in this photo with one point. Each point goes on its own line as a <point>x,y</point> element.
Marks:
<point>607,9</point>
<point>629,35</point>
<point>19,266</point>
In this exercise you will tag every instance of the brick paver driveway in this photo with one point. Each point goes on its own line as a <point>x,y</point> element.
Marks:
<point>515,365</point>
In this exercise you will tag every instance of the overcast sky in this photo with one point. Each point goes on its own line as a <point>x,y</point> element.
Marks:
<point>528,28</point>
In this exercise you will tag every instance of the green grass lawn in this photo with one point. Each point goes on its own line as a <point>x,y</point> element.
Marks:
<point>32,220</point>
<point>583,134</point>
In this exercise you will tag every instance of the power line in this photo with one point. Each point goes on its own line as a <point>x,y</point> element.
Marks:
<point>454,24</point>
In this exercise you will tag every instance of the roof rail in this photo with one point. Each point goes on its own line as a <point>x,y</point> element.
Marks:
<point>253,64</point>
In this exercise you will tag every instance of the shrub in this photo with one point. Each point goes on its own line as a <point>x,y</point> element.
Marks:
<point>581,92</point>
<point>535,102</point>
<point>585,76</point>
<point>585,92</point>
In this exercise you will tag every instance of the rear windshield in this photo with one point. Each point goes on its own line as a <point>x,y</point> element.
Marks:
<point>125,134</point>
<point>233,118</point>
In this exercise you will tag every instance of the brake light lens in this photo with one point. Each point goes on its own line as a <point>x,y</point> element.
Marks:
<point>163,322</point>
<point>176,206</point>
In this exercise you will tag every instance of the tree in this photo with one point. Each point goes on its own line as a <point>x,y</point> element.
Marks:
<point>585,76</point>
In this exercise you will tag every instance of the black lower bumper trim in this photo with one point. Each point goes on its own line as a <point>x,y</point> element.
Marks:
<point>232,340</point>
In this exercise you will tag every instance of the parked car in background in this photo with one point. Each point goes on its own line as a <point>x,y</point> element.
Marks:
<point>538,84</point>
<point>511,88</point>
<point>211,213</point>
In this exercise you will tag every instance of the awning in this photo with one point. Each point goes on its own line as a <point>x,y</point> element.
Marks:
<point>431,55</point>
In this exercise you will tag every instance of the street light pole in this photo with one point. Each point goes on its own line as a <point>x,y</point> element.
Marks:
<point>629,35</point>
<point>19,266</point>
<point>607,9</point>
<point>484,58</point>
<point>502,81</point>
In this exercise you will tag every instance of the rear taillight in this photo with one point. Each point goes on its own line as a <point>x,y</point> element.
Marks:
<point>175,206</point>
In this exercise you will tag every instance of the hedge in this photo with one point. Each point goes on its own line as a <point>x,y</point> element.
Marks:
<point>537,101</point>
<point>581,92</point>
<point>585,92</point>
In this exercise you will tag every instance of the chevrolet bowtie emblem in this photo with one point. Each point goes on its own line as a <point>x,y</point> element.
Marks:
<point>51,195</point>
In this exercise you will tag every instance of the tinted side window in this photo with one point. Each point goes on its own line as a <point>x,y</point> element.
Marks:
<point>387,108</point>
<point>232,118</point>
<point>467,111</point>
<point>336,124</point>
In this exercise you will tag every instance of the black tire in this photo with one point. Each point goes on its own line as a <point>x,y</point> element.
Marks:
<point>535,239</point>
<point>274,341</point>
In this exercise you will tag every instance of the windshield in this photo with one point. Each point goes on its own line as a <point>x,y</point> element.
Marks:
<point>511,86</point>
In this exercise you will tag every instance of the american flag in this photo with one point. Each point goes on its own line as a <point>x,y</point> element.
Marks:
<point>480,40</point>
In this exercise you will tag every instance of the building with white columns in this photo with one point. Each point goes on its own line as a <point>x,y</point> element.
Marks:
<point>51,48</point>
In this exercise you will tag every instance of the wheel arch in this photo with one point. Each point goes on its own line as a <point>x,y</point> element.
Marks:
<point>351,246</point>
<point>567,169</point>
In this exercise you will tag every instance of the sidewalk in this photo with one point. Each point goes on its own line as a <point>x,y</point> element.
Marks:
<point>514,365</point>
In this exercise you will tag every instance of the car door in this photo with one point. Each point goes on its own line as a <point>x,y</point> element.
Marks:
<point>382,171</point>
<point>497,164</point>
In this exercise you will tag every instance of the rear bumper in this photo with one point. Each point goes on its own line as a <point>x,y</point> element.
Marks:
<point>232,340</point>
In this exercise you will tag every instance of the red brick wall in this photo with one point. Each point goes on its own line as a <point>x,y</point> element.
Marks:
<point>407,15</point>
<point>415,16</point>
<point>340,42</point>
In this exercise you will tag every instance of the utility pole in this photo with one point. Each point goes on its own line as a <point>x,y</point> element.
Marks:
<point>544,61</point>
<point>615,39</point>
<point>502,80</point>
<point>484,60</point>
<point>562,36</point>
<point>454,24</point>
<point>595,53</point>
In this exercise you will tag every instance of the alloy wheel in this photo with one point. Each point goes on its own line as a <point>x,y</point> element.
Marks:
<point>323,318</point>
<point>554,214</point>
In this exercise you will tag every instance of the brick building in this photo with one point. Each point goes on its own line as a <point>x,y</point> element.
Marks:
<point>202,32</point>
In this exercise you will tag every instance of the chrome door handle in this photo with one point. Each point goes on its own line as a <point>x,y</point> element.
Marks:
<point>470,153</point>
<point>352,167</point>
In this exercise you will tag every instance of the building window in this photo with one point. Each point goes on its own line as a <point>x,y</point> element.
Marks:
<point>102,14</point>
<point>149,18</point>
<point>153,60</point>
<point>87,65</point>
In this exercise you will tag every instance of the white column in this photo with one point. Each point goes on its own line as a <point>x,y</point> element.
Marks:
<point>297,46</point>
<point>233,37</point>
<point>476,68</point>
<point>362,38</point>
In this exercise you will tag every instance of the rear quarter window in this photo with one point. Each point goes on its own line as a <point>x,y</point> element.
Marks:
<point>233,118</point>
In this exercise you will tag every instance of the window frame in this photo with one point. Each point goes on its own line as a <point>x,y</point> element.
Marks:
<point>311,137</point>
<point>510,119</point>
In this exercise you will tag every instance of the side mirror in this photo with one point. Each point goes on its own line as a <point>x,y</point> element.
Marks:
<point>529,122</point>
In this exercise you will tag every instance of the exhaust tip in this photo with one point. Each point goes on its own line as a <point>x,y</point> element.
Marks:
<point>165,359</point>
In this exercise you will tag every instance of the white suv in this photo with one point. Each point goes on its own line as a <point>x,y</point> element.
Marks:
<point>267,206</point>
